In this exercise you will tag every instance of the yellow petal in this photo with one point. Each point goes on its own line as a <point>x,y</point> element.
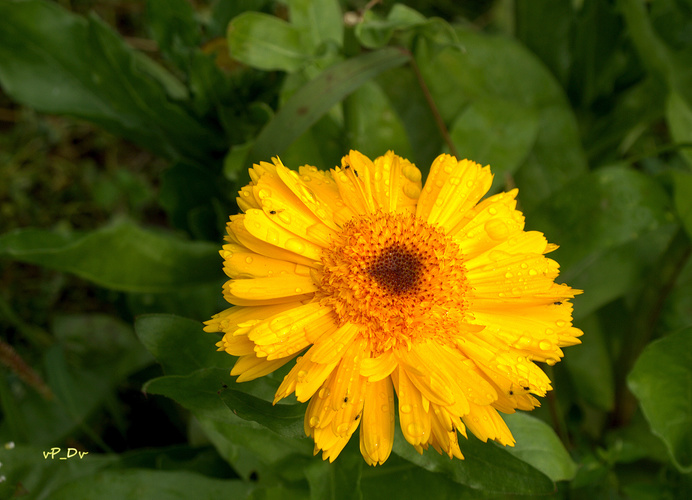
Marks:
<point>414,420</point>
<point>333,347</point>
<point>251,367</point>
<point>452,188</point>
<point>377,426</point>
<point>241,262</point>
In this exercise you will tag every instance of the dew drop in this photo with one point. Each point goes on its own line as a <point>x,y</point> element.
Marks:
<point>411,173</point>
<point>284,217</point>
<point>314,421</point>
<point>414,429</point>
<point>497,229</point>
<point>469,184</point>
<point>248,260</point>
<point>492,210</point>
<point>508,275</point>
<point>384,408</point>
<point>545,345</point>
<point>296,246</point>
<point>560,323</point>
<point>342,429</point>
<point>405,408</point>
<point>551,361</point>
<point>299,290</point>
<point>533,272</point>
<point>323,393</point>
<point>524,265</point>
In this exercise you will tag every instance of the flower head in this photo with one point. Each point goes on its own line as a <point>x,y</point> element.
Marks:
<point>379,286</point>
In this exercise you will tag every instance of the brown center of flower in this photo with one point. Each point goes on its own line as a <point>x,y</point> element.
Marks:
<point>396,269</point>
<point>399,277</point>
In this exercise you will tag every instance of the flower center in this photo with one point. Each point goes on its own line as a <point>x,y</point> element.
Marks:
<point>396,269</point>
<point>400,278</point>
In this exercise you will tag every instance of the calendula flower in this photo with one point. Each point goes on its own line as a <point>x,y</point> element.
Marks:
<point>379,286</point>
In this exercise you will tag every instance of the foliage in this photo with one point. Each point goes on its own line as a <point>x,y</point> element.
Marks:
<point>120,167</point>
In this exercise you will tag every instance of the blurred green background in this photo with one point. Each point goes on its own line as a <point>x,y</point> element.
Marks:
<point>126,129</point>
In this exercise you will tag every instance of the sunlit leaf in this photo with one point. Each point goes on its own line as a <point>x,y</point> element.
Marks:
<point>266,42</point>
<point>538,445</point>
<point>662,381</point>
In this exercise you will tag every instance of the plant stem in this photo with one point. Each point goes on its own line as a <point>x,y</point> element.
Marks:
<point>433,107</point>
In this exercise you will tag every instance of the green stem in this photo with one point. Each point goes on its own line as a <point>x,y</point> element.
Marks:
<point>433,107</point>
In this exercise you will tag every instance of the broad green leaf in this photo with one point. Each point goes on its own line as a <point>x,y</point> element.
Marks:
<point>284,419</point>
<point>143,483</point>
<point>372,125</point>
<point>610,226</point>
<point>538,445</point>
<point>487,468</point>
<point>495,132</point>
<point>314,99</point>
<point>487,69</point>
<point>121,256</point>
<point>266,42</point>
<point>591,368</point>
<point>57,62</point>
<point>180,344</point>
<point>679,118</point>
<point>662,381</point>
<point>319,22</point>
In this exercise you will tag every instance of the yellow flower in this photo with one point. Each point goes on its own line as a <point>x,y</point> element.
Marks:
<point>380,286</point>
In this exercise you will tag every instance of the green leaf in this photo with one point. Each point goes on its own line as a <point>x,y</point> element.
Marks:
<point>266,42</point>
<point>671,65</point>
<point>284,419</point>
<point>496,132</point>
<point>180,344</point>
<point>544,27</point>
<point>27,472</point>
<point>120,256</point>
<point>398,478</point>
<point>662,381</point>
<point>173,26</point>
<point>488,69</point>
<point>374,32</point>
<point>57,62</point>
<point>591,368</point>
<point>372,125</point>
<point>339,480</point>
<point>142,483</point>
<point>319,22</point>
<point>486,467</point>
<point>538,445</point>
<point>313,100</point>
<point>610,225</point>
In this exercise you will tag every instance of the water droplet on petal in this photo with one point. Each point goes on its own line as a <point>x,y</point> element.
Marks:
<point>545,345</point>
<point>405,408</point>
<point>296,246</point>
<point>323,393</point>
<point>342,429</point>
<point>248,260</point>
<point>314,421</point>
